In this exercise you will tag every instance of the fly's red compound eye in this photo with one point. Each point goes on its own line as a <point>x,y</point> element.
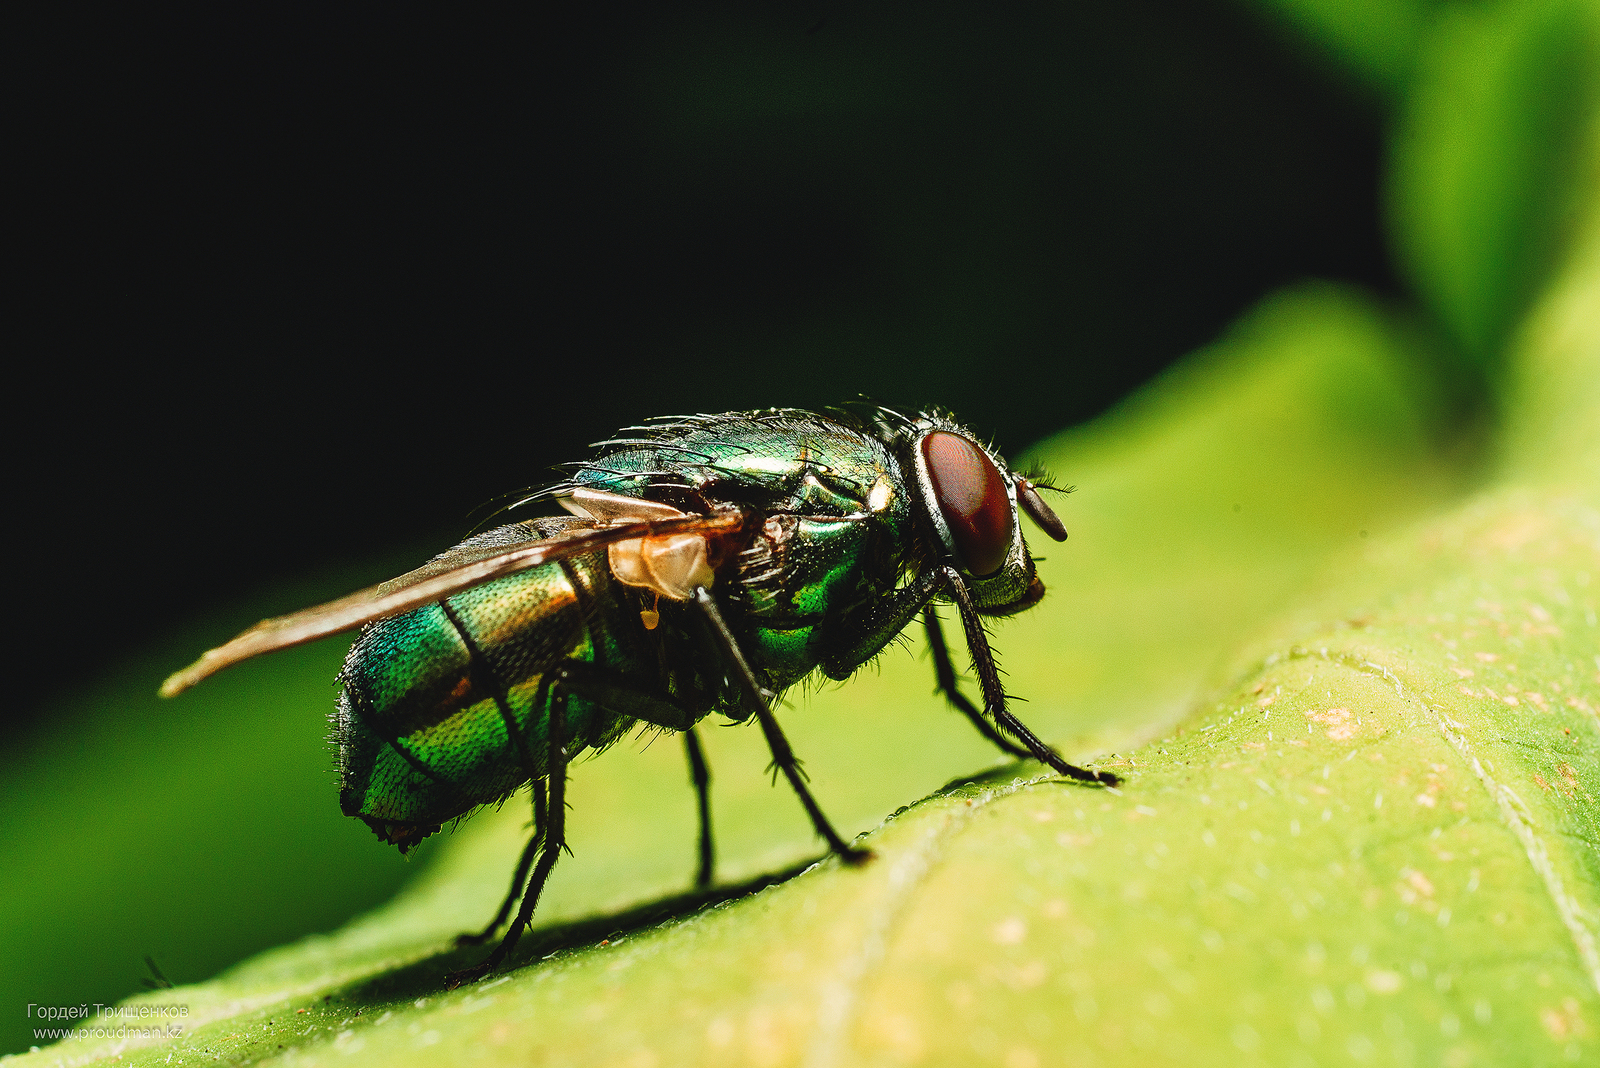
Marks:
<point>973,498</point>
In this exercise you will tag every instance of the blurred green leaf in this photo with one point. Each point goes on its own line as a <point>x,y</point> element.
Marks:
<point>1488,164</point>
<point>1493,105</point>
<point>1370,43</point>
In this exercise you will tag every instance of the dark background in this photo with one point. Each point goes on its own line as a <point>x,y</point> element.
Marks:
<point>301,289</point>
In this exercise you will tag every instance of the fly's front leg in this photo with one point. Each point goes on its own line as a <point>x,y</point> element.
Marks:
<point>782,756</point>
<point>945,672</point>
<point>862,631</point>
<point>876,622</point>
<point>994,694</point>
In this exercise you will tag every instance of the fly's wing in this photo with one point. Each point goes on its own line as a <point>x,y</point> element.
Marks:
<point>613,507</point>
<point>429,583</point>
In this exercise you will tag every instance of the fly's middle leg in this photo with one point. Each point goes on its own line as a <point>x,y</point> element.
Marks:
<point>627,697</point>
<point>783,757</point>
<point>700,776</point>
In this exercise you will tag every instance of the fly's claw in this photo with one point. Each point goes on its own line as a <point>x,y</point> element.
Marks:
<point>465,976</point>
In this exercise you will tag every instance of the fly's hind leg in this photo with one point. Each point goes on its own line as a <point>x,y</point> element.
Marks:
<point>554,838</point>
<point>783,757</point>
<point>615,694</point>
<point>483,674</point>
<point>540,818</point>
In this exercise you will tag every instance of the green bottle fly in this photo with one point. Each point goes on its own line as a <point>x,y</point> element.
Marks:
<point>706,564</point>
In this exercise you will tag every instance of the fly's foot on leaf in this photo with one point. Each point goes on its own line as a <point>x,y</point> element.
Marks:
<point>467,975</point>
<point>1077,774</point>
<point>856,857</point>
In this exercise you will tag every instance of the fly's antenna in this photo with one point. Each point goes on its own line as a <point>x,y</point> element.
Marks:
<point>1041,479</point>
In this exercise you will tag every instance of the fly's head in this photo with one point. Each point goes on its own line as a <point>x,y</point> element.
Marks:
<point>970,500</point>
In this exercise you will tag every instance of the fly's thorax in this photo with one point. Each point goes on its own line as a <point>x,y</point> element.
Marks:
<point>828,496</point>
<point>778,461</point>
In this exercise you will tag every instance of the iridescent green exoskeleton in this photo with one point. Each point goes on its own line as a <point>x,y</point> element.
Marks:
<point>707,564</point>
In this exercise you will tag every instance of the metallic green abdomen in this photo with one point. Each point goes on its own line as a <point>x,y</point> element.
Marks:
<point>447,707</point>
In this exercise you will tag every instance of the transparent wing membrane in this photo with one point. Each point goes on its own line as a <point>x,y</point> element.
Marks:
<point>429,583</point>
